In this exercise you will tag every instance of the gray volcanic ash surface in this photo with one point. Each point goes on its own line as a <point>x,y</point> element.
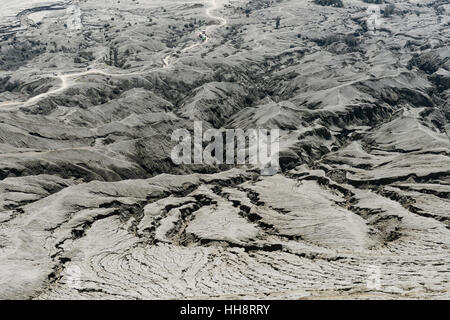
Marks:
<point>93,207</point>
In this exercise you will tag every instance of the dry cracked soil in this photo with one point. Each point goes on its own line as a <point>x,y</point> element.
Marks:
<point>93,207</point>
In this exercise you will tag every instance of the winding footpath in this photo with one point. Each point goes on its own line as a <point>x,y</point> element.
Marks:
<point>208,11</point>
<point>65,79</point>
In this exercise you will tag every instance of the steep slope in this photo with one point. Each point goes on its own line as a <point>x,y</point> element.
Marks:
<point>92,206</point>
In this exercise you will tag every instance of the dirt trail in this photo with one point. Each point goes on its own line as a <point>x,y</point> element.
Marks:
<point>65,79</point>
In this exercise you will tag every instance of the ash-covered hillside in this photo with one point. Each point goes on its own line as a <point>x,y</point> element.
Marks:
<point>92,205</point>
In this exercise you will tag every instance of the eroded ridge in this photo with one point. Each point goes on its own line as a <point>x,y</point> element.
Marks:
<point>92,205</point>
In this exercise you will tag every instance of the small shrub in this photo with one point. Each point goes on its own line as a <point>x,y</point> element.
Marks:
<point>277,23</point>
<point>389,10</point>
<point>374,1</point>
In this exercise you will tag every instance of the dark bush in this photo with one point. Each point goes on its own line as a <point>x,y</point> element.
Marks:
<point>389,10</point>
